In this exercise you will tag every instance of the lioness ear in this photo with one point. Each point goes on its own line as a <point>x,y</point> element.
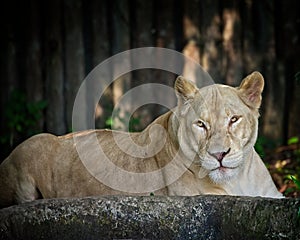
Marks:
<point>185,90</point>
<point>251,88</point>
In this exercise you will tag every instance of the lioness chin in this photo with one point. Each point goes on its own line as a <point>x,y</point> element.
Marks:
<point>203,146</point>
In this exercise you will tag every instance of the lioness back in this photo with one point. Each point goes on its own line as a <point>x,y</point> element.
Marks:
<point>47,166</point>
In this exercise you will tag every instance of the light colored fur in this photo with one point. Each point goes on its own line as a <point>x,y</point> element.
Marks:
<point>213,119</point>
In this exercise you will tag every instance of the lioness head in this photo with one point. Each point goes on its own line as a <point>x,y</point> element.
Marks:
<point>217,124</point>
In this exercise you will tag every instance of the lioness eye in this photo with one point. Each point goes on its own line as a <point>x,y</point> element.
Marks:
<point>234,119</point>
<point>200,124</point>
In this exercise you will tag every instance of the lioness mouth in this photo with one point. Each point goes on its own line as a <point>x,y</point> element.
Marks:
<point>222,168</point>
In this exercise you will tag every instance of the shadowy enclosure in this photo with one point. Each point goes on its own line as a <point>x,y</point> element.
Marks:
<point>49,47</point>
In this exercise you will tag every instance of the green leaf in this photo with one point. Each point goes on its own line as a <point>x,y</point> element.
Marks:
<point>296,181</point>
<point>109,122</point>
<point>19,128</point>
<point>42,104</point>
<point>22,115</point>
<point>293,140</point>
<point>289,190</point>
<point>4,139</point>
<point>259,147</point>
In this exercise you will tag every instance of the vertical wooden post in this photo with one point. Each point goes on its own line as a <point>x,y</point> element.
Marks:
<point>101,50</point>
<point>54,69</point>
<point>211,39</point>
<point>74,54</point>
<point>33,59</point>
<point>232,58</point>
<point>120,41</point>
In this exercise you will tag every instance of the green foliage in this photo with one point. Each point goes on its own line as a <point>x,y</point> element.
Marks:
<point>296,152</point>
<point>293,140</point>
<point>134,123</point>
<point>283,162</point>
<point>21,116</point>
<point>295,180</point>
<point>293,173</point>
<point>259,147</point>
<point>263,143</point>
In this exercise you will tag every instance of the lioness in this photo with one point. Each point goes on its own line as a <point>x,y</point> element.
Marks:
<point>208,137</point>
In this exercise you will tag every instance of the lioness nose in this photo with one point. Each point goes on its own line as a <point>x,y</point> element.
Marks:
<point>219,155</point>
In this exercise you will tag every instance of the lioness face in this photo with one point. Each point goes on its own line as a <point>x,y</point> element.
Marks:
<point>218,127</point>
<point>221,127</point>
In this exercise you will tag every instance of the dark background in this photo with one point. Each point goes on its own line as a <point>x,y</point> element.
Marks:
<point>48,47</point>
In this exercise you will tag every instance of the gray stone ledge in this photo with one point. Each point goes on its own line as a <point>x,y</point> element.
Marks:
<point>153,217</point>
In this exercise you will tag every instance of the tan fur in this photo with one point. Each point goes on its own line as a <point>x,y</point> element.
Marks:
<point>207,121</point>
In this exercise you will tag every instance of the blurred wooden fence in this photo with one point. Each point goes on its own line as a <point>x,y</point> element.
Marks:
<point>48,47</point>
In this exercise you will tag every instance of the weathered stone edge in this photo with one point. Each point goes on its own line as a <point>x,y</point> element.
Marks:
<point>153,217</point>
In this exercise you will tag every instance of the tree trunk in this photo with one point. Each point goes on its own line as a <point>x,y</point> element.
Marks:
<point>33,60</point>
<point>101,50</point>
<point>9,77</point>
<point>74,54</point>
<point>142,36</point>
<point>211,39</point>
<point>120,41</point>
<point>167,32</point>
<point>54,75</point>
<point>153,217</point>
<point>273,98</point>
<point>290,46</point>
<point>232,58</point>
